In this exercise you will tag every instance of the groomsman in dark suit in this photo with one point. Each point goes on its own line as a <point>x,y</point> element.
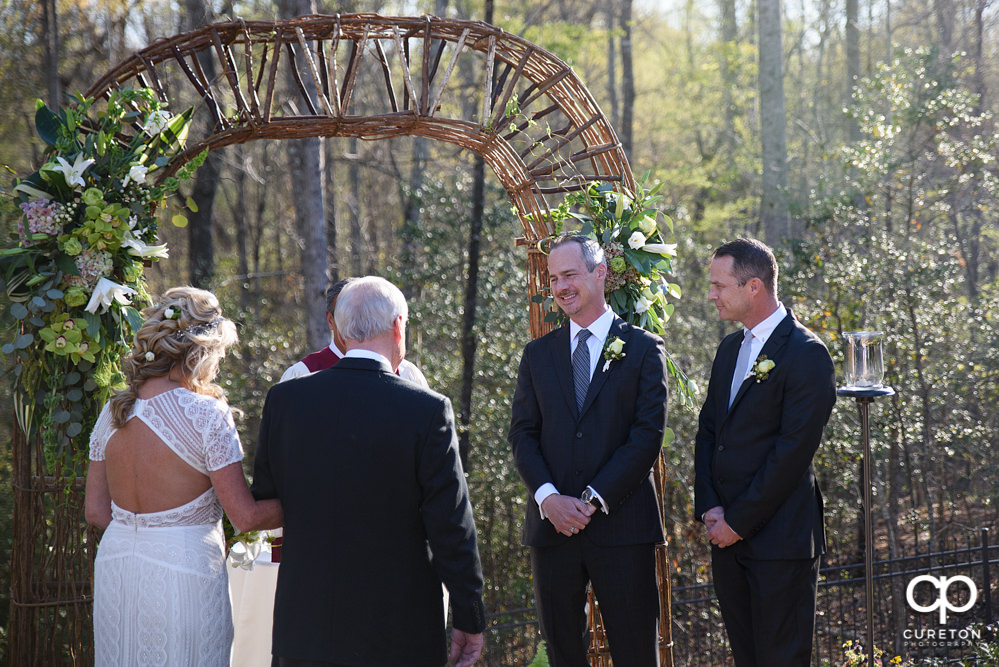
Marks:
<point>771,392</point>
<point>377,514</point>
<point>585,433</point>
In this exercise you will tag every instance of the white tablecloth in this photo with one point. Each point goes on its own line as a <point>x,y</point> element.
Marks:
<point>251,592</point>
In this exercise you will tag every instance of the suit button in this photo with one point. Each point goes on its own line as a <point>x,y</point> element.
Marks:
<point>579,435</point>
<point>721,448</point>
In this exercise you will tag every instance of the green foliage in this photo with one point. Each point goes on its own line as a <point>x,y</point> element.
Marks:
<point>86,228</point>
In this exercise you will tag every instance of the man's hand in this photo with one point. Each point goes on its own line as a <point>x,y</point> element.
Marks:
<point>465,647</point>
<point>569,515</point>
<point>713,516</point>
<point>720,533</point>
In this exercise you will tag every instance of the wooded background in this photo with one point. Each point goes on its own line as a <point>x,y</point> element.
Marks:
<point>854,136</point>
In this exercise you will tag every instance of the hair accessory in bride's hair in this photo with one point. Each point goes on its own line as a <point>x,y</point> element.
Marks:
<point>199,329</point>
<point>150,356</point>
<point>172,312</point>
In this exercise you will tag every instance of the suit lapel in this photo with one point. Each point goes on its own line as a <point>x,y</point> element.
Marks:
<point>771,349</point>
<point>617,329</point>
<point>563,364</point>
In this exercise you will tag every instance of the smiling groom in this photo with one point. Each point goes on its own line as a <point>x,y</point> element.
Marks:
<point>585,433</point>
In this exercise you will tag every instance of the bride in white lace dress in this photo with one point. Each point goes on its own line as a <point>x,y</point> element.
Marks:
<point>165,459</point>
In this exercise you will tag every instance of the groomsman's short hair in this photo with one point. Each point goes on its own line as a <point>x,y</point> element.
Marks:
<point>333,291</point>
<point>593,254</point>
<point>751,259</point>
<point>368,307</point>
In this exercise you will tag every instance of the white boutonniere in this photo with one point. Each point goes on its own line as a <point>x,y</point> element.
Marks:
<point>613,350</point>
<point>761,369</point>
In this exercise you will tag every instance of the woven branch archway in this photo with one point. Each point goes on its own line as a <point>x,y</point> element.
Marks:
<point>530,118</point>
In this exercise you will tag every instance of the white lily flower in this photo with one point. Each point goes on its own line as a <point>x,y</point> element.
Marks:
<point>661,248</point>
<point>137,173</point>
<point>642,305</point>
<point>106,293</point>
<point>137,248</point>
<point>156,122</point>
<point>73,172</point>
<point>636,240</point>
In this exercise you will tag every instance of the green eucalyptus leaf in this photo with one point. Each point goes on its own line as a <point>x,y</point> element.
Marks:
<point>74,429</point>
<point>23,341</point>
<point>61,417</point>
<point>71,378</point>
<point>48,124</point>
<point>18,311</point>
<point>67,264</point>
<point>74,395</point>
<point>7,348</point>
<point>55,294</point>
<point>134,317</point>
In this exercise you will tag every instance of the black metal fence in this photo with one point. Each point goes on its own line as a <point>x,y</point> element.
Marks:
<point>909,595</point>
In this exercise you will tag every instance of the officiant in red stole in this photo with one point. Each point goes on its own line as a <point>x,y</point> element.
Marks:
<point>377,513</point>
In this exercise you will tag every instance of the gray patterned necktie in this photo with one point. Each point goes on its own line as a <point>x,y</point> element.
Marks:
<point>581,367</point>
<point>741,365</point>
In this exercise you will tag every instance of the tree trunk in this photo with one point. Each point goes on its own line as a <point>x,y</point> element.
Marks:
<point>305,159</point>
<point>200,231</point>
<point>627,81</point>
<point>50,28</point>
<point>852,61</point>
<point>729,37</point>
<point>774,217</point>
<point>615,107</point>
<point>354,199</point>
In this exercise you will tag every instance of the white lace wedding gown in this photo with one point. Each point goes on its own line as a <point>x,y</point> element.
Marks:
<point>161,594</point>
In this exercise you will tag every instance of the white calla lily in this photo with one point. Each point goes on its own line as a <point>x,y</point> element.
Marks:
<point>661,248</point>
<point>642,304</point>
<point>137,173</point>
<point>636,240</point>
<point>105,293</point>
<point>73,172</point>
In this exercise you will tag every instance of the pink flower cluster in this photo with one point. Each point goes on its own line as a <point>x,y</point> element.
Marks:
<point>93,265</point>
<point>42,216</point>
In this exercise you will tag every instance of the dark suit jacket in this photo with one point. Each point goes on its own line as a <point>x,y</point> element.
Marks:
<point>611,445</point>
<point>376,515</point>
<point>755,459</point>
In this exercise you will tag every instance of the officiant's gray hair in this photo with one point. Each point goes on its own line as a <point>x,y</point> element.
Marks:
<point>368,307</point>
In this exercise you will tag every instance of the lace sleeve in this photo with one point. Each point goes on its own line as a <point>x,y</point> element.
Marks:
<point>103,430</point>
<point>221,440</point>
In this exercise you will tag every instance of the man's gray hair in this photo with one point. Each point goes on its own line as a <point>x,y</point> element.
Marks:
<point>592,253</point>
<point>367,307</point>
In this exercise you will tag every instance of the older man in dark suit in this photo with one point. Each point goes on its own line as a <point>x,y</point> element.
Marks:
<point>585,433</point>
<point>771,392</point>
<point>376,508</point>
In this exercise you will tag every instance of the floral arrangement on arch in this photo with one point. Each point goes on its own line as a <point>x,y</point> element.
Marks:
<point>73,277</point>
<point>639,261</point>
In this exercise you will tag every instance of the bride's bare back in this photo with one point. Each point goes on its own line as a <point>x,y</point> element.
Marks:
<point>145,475</point>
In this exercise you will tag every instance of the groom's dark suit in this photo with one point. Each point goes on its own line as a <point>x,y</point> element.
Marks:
<point>610,445</point>
<point>755,461</point>
<point>376,517</point>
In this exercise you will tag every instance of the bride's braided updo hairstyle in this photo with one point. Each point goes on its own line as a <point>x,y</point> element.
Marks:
<point>185,329</point>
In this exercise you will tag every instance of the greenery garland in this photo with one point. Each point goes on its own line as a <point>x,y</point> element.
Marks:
<point>73,276</point>
<point>639,261</point>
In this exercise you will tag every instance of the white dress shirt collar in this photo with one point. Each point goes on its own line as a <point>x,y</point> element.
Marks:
<point>361,353</point>
<point>599,328</point>
<point>334,349</point>
<point>761,332</point>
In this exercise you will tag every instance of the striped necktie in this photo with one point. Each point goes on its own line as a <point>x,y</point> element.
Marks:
<point>581,367</point>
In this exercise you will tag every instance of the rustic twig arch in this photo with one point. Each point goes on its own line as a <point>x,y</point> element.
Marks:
<point>530,118</point>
